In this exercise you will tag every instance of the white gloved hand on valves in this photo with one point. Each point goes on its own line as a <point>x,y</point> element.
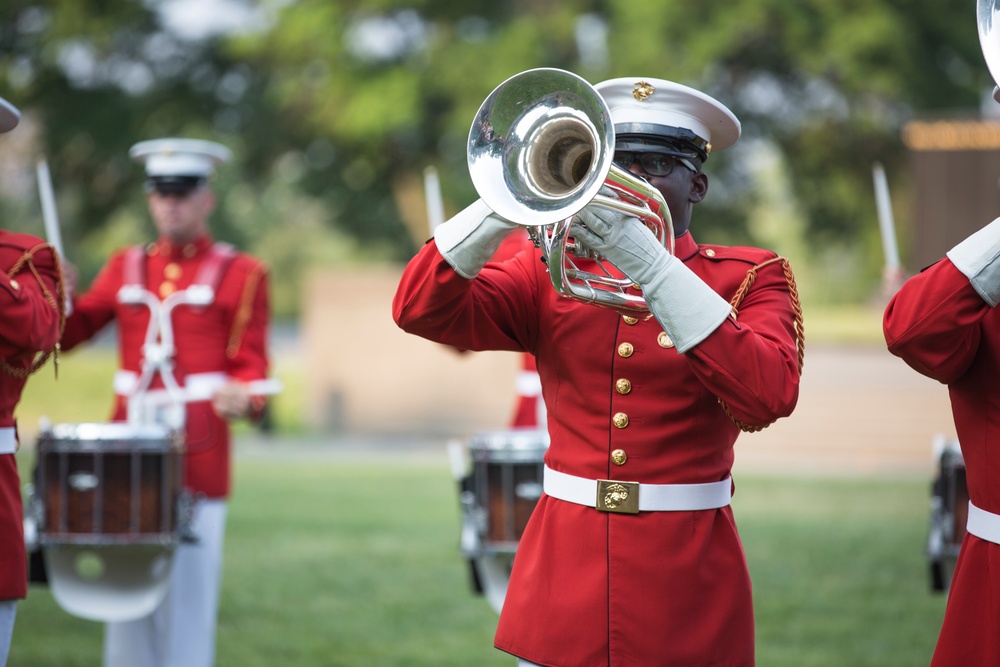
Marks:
<point>978,257</point>
<point>684,305</point>
<point>469,239</point>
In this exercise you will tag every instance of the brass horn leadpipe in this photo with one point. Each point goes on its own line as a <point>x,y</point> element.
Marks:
<point>540,149</point>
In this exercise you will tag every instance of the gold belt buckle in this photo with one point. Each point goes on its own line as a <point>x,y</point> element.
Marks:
<point>618,497</point>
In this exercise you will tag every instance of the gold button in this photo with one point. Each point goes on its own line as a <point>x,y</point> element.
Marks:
<point>166,289</point>
<point>663,340</point>
<point>619,457</point>
<point>623,386</point>
<point>625,350</point>
<point>15,285</point>
<point>172,271</point>
<point>637,286</point>
<point>629,319</point>
<point>710,253</point>
<point>620,420</point>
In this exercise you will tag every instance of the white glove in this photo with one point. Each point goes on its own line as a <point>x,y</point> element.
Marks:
<point>687,308</point>
<point>978,257</point>
<point>468,240</point>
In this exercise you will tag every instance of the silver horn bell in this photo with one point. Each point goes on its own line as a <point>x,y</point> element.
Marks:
<point>540,149</point>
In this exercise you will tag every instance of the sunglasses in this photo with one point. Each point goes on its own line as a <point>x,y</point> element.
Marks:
<point>654,164</point>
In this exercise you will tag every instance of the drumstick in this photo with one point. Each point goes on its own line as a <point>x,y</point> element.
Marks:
<point>268,387</point>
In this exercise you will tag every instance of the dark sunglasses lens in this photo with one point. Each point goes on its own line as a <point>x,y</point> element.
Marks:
<point>657,164</point>
<point>623,159</point>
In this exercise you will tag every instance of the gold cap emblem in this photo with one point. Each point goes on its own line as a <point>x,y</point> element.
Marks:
<point>642,90</point>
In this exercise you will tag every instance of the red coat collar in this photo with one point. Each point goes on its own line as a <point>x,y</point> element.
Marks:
<point>165,248</point>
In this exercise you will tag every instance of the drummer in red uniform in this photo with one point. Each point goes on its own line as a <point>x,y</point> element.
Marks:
<point>944,323</point>
<point>639,409</point>
<point>32,302</point>
<point>192,317</point>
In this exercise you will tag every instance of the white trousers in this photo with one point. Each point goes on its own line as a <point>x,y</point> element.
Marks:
<point>8,609</point>
<point>524,663</point>
<point>181,631</point>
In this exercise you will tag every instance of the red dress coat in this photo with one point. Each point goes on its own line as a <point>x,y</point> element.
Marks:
<point>526,407</point>
<point>228,336</point>
<point>939,325</point>
<point>657,588</point>
<point>31,303</point>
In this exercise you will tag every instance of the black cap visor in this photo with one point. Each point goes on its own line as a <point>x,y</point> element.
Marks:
<point>174,185</point>
<point>677,141</point>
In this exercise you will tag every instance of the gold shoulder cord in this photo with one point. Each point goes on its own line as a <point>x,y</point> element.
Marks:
<point>57,301</point>
<point>244,311</point>
<point>800,341</point>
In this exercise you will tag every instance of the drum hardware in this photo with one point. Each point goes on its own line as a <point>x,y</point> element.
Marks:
<point>541,148</point>
<point>949,508</point>
<point>500,481</point>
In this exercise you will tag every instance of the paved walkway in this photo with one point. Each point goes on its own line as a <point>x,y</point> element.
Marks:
<point>861,411</point>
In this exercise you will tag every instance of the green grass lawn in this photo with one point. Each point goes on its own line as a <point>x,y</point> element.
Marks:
<point>338,562</point>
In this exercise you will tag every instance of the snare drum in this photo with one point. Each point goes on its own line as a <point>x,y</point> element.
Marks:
<point>506,483</point>
<point>109,484</point>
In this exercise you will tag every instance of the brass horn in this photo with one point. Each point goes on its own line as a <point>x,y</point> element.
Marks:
<point>540,149</point>
<point>988,21</point>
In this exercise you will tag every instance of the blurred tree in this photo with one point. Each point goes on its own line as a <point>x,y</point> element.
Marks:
<point>334,107</point>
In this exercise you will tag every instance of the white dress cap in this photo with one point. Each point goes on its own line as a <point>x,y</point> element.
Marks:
<point>180,157</point>
<point>658,106</point>
<point>9,116</point>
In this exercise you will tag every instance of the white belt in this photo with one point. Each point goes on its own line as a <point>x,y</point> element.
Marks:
<point>8,440</point>
<point>984,525</point>
<point>197,386</point>
<point>609,495</point>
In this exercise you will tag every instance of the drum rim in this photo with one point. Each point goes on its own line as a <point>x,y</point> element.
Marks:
<point>106,431</point>
<point>527,438</point>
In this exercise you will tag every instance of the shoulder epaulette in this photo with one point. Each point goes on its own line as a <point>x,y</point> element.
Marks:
<point>737,252</point>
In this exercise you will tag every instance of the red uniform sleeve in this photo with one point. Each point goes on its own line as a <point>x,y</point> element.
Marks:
<point>751,362</point>
<point>488,313</point>
<point>246,349</point>
<point>933,322</point>
<point>92,310</point>
<point>247,346</point>
<point>30,299</point>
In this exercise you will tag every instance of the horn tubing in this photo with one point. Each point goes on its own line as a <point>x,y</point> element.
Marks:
<point>540,149</point>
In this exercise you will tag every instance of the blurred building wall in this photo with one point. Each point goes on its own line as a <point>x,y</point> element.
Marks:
<point>956,177</point>
<point>365,375</point>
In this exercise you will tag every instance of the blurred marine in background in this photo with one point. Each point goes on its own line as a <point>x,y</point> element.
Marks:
<point>192,317</point>
<point>631,556</point>
<point>31,319</point>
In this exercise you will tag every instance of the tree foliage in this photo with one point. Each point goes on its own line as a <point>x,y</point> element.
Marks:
<point>335,107</point>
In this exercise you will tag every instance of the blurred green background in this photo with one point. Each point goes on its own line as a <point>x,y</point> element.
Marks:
<point>334,109</point>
